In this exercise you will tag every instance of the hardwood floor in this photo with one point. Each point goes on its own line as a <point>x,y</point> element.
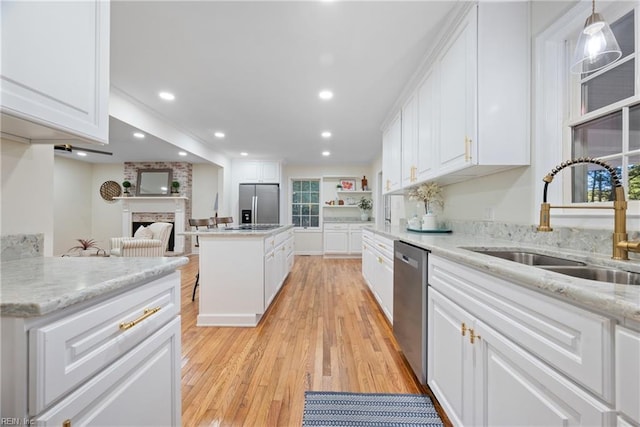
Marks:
<point>323,332</point>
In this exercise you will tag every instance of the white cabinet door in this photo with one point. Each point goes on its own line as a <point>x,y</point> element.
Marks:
<point>55,67</point>
<point>391,156</point>
<point>450,358</point>
<point>270,172</point>
<point>512,386</point>
<point>457,98</point>
<point>270,272</point>
<point>409,141</point>
<point>368,259</point>
<point>427,144</point>
<point>141,388</point>
<point>336,242</point>
<point>385,286</point>
<point>355,241</point>
<point>627,363</point>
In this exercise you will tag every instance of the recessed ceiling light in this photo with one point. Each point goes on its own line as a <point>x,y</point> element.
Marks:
<point>81,154</point>
<point>325,94</point>
<point>326,134</point>
<point>182,153</point>
<point>326,153</point>
<point>244,153</point>
<point>167,96</point>
<point>219,134</point>
<point>138,135</point>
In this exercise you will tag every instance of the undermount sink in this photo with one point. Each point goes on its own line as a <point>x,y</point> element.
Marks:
<point>601,274</point>
<point>564,266</point>
<point>529,258</point>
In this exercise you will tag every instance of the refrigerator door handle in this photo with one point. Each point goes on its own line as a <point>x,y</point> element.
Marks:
<point>255,217</point>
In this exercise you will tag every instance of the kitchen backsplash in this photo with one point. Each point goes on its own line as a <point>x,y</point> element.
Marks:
<point>21,246</point>
<point>590,240</point>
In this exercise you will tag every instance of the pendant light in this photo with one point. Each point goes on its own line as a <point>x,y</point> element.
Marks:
<point>597,46</point>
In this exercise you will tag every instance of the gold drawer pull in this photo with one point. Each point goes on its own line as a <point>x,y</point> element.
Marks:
<point>380,260</point>
<point>473,336</point>
<point>147,312</point>
<point>66,423</point>
<point>463,329</point>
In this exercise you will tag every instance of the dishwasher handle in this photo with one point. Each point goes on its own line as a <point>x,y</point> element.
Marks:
<point>413,263</point>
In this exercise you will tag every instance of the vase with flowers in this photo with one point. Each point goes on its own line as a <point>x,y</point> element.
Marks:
<point>430,193</point>
<point>365,205</point>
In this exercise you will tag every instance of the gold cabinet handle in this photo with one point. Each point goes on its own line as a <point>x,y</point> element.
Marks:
<point>463,329</point>
<point>473,336</point>
<point>147,312</point>
<point>66,423</point>
<point>467,149</point>
<point>388,185</point>
<point>380,260</point>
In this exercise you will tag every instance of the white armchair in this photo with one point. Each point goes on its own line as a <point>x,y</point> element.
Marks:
<point>143,247</point>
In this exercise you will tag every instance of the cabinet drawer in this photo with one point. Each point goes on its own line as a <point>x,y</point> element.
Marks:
<point>355,227</point>
<point>281,237</point>
<point>67,352</point>
<point>336,227</point>
<point>575,341</point>
<point>384,246</point>
<point>269,244</point>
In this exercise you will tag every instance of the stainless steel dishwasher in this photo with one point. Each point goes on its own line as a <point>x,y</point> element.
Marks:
<point>410,305</point>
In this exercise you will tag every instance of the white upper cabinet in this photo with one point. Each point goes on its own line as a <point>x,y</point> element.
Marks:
<point>457,98</point>
<point>410,141</point>
<point>257,171</point>
<point>484,92</point>
<point>54,71</point>
<point>469,114</point>
<point>391,156</point>
<point>428,116</point>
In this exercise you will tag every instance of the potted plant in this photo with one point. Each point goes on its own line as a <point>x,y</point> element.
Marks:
<point>431,195</point>
<point>87,247</point>
<point>127,186</point>
<point>365,206</point>
<point>175,185</point>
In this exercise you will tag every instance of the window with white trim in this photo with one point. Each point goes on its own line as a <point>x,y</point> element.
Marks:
<point>305,203</point>
<point>605,121</point>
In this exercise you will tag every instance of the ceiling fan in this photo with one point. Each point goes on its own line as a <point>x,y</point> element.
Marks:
<point>70,148</point>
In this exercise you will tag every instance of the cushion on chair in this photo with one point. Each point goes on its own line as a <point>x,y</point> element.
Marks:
<point>143,233</point>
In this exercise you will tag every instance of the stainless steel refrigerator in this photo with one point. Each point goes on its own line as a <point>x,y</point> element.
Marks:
<point>259,203</point>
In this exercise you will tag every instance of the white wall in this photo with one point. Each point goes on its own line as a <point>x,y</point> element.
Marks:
<point>106,217</point>
<point>26,196</point>
<point>71,203</point>
<point>204,190</point>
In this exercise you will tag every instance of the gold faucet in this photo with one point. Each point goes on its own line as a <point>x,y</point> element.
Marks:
<point>621,245</point>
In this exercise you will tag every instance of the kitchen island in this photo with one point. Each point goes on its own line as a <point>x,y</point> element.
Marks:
<point>84,337</point>
<point>241,271</point>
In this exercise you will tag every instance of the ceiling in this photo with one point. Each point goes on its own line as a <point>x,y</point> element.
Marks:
<point>253,70</point>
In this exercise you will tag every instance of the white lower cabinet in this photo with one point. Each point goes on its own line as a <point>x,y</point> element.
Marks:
<point>483,379</point>
<point>342,239</point>
<point>278,262</point>
<point>112,362</point>
<point>377,269</point>
<point>501,355</point>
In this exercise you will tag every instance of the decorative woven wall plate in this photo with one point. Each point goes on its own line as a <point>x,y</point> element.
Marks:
<point>109,190</point>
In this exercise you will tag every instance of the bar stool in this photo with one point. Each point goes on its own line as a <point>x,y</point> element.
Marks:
<point>197,223</point>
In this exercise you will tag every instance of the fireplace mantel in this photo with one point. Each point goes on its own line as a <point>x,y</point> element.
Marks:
<point>176,205</point>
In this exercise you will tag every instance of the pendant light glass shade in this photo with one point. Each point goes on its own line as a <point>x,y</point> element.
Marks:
<point>597,46</point>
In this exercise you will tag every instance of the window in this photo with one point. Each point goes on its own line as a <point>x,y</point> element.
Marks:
<point>609,102</point>
<point>305,203</point>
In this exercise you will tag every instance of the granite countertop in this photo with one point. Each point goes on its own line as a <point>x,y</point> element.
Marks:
<point>38,286</point>
<point>608,298</point>
<point>227,232</point>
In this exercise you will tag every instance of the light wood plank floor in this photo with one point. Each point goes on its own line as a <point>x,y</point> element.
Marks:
<point>323,332</point>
